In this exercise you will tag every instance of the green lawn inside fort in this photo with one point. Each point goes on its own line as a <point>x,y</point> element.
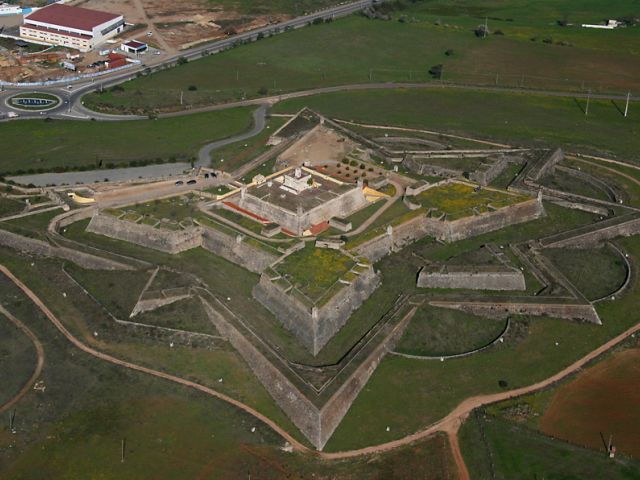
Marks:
<point>533,51</point>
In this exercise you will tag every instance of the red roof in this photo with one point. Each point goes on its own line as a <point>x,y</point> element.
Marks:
<point>71,17</point>
<point>135,44</point>
<point>116,56</point>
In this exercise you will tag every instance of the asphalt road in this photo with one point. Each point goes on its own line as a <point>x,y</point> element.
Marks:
<point>71,96</point>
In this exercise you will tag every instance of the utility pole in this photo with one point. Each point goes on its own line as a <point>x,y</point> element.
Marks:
<point>181,97</point>
<point>122,451</point>
<point>586,110</point>
<point>486,26</point>
<point>497,75</point>
<point>237,75</point>
<point>626,107</point>
<point>12,417</point>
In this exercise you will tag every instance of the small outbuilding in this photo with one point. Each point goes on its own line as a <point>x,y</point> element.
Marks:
<point>134,46</point>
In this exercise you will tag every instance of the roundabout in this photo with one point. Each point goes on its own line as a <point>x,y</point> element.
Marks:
<point>33,101</point>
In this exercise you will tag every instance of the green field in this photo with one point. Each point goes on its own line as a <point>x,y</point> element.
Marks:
<point>9,206</point>
<point>380,51</point>
<point>595,272</point>
<point>458,200</point>
<point>516,119</point>
<point>61,145</point>
<point>438,331</point>
<point>314,270</point>
<point>494,448</point>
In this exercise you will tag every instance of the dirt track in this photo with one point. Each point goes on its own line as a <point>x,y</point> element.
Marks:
<point>39,364</point>
<point>449,424</point>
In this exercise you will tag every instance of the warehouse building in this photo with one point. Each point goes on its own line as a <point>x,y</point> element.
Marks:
<point>73,27</point>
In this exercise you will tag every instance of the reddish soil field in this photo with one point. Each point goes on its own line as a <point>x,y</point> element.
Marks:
<point>602,400</point>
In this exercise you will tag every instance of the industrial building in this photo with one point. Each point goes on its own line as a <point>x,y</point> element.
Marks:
<point>73,27</point>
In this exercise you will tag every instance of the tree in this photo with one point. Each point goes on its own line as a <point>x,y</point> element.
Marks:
<point>436,71</point>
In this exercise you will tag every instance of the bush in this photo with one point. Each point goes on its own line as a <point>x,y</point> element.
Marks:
<point>436,71</point>
<point>344,160</point>
<point>548,40</point>
<point>263,91</point>
<point>192,88</point>
<point>362,167</point>
<point>481,31</point>
<point>353,163</point>
<point>498,32</point>
<point>503,383</point>
<point>182,61</point>
<point>449,52</point>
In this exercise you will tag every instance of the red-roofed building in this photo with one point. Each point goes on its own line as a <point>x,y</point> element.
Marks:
<point>73,27</point>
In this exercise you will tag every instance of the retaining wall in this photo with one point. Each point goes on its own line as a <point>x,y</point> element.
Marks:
<point>583,312</point>
<point>473,280</point>
<point>545,165</point>
<point>449,231</point>
<point>593,238</point>
<point>232,248</point>
<point>44,249</point>
<point>315,326</point>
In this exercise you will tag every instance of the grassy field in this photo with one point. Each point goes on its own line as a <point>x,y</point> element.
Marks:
<point>595,272</point>
<point>516,119</point>
<point>458,200</point>
<point>34,226</point>
<point>9,206</point>
<point>17,356</point>
<point>494,448</point>
<point>382,51</point>
<point>169,432</point>
<point>560,180</point>
<point>438,331</point>
<point>530,355</point>
<point>63,144</point>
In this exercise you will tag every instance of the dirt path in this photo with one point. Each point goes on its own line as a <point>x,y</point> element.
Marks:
<point>39,364</point>
<point>122,363</point>
<point>168,50</point>
<point>449,424</point>
<point>612,170</point>
<point>380,211</point>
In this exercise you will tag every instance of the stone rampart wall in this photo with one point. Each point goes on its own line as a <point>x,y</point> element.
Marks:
<point>485,177</point>
<point>506,280</point>
<point>590,239</point>
<point>145,235</point>
<point>294,403</point>
<point>44,249</point>
<point>336,408</point>
<point>583,312</point>
<point>239,252</point>
<point>332,316</point>
<point>315,326</point>
<point>547,164</point>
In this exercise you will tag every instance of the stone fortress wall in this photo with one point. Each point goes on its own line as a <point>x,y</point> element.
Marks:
<point>402,235</point>
<point>231,248</point>
<point>505,279</point>
<point>314,326</point>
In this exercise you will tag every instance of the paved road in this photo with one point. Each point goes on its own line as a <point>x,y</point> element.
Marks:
<point>80,87</point>
<point>259,122</point>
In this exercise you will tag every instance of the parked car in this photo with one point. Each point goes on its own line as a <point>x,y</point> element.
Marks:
<point>192,182</point>
<point>179,182</point>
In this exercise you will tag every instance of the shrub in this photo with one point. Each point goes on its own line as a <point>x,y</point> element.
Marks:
<point>449,52</point>
<point>353,163</point>
<point>263,91</point>
<point>436,71</point>
<point>182,61</point>
<point>192,88</point>
<point>481,31</point>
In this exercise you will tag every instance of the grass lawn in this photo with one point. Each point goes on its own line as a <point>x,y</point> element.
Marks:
<point>174,208</point>
<point>62,144</point>
<point>513,118</point>
<point>18,359</point>
<point>183,315</point>
<point>595,272</point>
<point>439,331</point>
<point>10,206</point>
<point>459,200</point>
<point>232,156</point>
<point>382,51</point>
<point>495,448</point>
<point>314,270</point>
<point>34,226</point>
<point>565,182</point>
<point>116,291</point>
